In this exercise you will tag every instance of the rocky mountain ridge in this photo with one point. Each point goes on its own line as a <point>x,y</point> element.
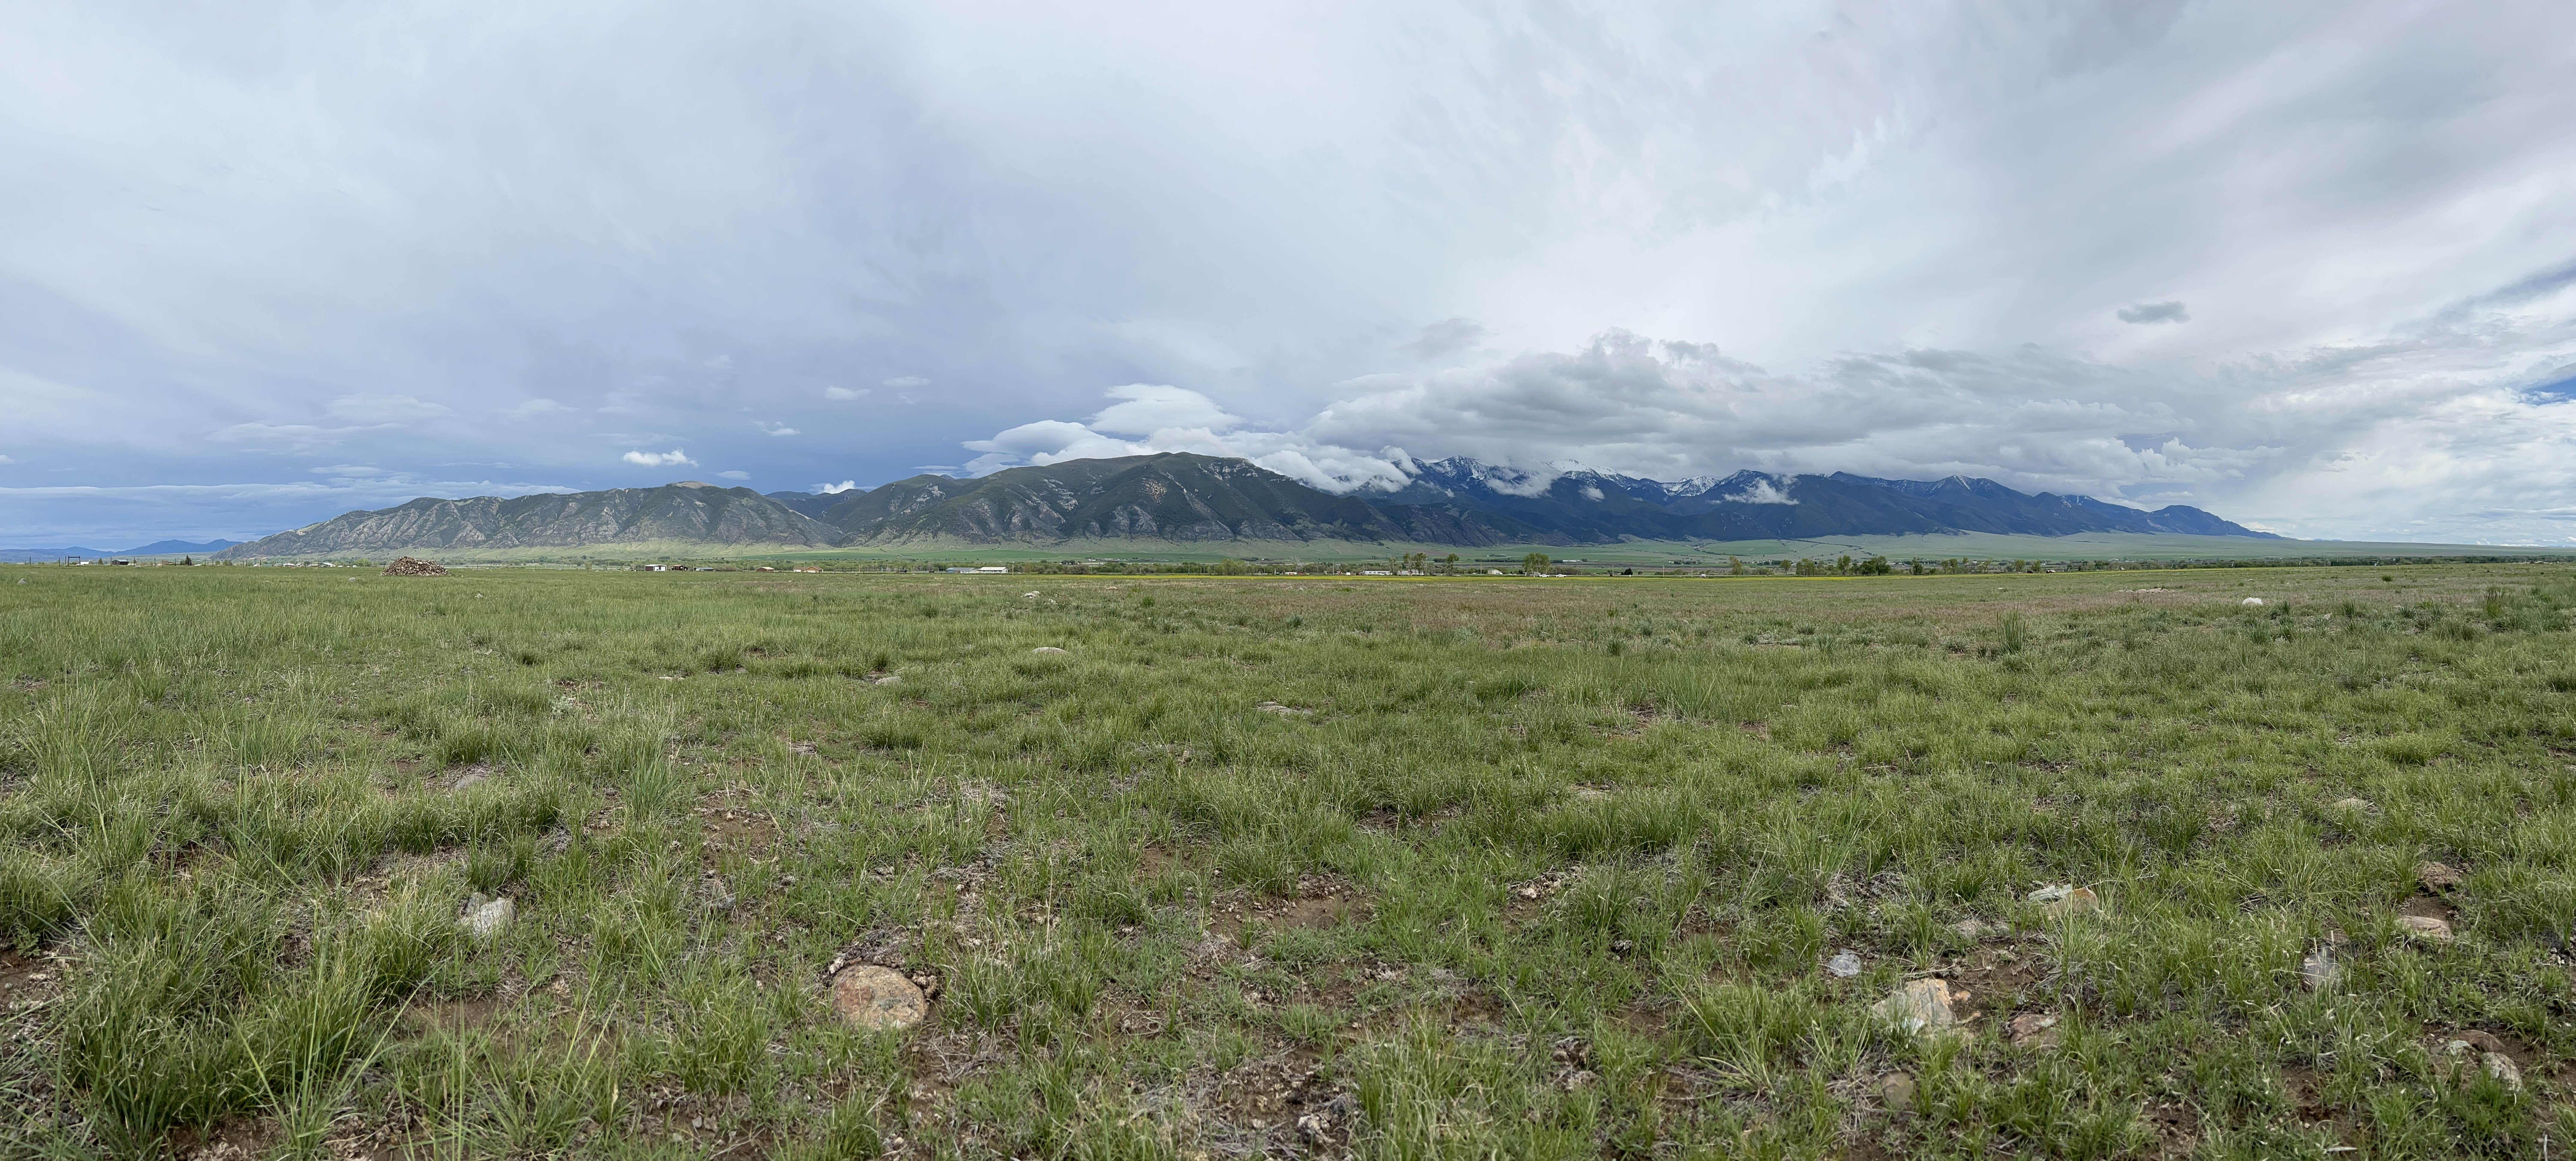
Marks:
<point>1180,497</point>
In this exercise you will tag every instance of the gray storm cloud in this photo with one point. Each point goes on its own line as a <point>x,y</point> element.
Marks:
<point>2155,312</point>
<point>502,247</point>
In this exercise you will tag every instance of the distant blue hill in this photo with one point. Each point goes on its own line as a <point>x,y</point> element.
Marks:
<point>156,548</point>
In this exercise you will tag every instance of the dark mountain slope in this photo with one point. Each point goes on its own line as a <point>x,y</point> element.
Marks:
<point>1587,506</point>
<point>689,511</point>
<point>810,504</point>
<point>1174,496</point>
<point>1180,497</point>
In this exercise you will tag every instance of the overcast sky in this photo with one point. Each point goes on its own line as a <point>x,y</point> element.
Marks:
<point>2310,266</point>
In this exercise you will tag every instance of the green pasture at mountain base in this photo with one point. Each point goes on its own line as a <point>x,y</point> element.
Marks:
<point>2106,546</point>
<point>1285,867</point>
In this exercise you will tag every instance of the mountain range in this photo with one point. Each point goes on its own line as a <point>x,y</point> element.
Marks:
<point>1197,499</point>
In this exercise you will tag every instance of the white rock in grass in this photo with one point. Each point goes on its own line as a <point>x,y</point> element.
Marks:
<point>1919,1006</point>
<point>2350,806</point>
<point>487,919</point>
<point>2252,602</point>
<point>1844,965</point>
<point>2502,1067</point>
<point>2319,970</point>
<point>1046,649</point>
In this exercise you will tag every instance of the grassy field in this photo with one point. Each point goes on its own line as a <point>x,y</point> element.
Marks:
<point>1287,866</point>
<point>1639,553</point>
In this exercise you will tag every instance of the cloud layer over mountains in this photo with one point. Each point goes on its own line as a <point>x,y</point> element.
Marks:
<point>2440,431</point>
<point>2303,263</point>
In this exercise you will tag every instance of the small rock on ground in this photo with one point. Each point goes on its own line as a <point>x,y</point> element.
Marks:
<point>2350,806</point>
<point>1285,711</point>
<point>2252,602</point>
<point>2032,1030</point>
<point>1896,1090</point>
<point>870,996</point>
<point>2425,927</point>
<point>1844,965</point>
<point>2065,899</point>
<point>2491,1055</point>
<point>1046,649</point>
<point>486,918</point>
<point>1919,1006</point>
<point>1979,928</point>
<point>2319,970</point>
<point>2437,877</point>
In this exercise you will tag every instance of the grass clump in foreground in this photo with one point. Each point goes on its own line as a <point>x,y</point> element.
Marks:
<point>1286,866</point>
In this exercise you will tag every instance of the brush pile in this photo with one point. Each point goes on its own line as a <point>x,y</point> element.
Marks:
<point>411,566</point>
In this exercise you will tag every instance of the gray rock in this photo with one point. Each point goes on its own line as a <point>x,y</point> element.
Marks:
<point>1844,965</point>
<point>2437,877</point>
<point>1046,649</point>
<point>2425,927</point>
<point>2491,1057</point>
<point>2064,899</point>
<point>2319,970</point>
<point>1919,1006</point>
<point>486,920</point>
<point>2033,1030</point>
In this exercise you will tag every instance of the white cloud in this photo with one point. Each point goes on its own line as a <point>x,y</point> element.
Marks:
<point>349,470</point>
<point>768,428</point>
<point>1147,408</point>
<point>385,408</point>
<point>1919,233</point>
<point>672,458</point>
<point>1763,491</point>
<point>7,460</point>
<point>836,489</point>
<point>367,490</point>
<point>286,437</point>
<point>844,394</point>
<point>536,407</point>
<point>2432,427</point>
